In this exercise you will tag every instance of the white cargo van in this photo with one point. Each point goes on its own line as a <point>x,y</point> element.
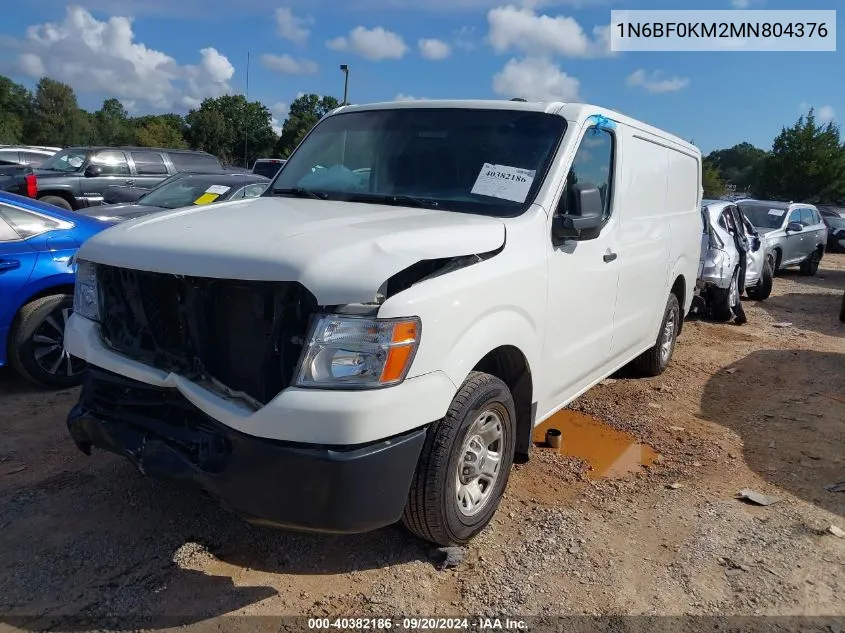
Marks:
<point>375,337</point>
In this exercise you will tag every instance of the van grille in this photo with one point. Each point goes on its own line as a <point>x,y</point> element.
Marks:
<point>246,335</point>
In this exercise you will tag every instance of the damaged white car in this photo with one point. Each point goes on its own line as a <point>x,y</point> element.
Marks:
<point>733,260</point>
<point>375,340</point>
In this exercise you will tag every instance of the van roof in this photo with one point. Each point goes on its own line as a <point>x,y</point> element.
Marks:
<point>570,111</point>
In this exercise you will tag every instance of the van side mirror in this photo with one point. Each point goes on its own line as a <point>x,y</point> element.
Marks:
<point>92,171</point>
<point>583,222</point>
<point>794,227</point>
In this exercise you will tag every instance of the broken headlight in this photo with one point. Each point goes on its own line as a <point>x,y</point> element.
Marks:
<point>86,295</point>
<point>345,352</point>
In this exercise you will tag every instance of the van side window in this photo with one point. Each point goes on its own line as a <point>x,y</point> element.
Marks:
<point>807,218</point>
<point>795,216</point>
<point>593,163</point>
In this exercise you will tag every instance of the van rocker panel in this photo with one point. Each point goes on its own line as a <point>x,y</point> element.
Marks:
<point>306,487</point>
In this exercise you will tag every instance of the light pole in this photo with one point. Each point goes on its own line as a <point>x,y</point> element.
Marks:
<point>345,69</point>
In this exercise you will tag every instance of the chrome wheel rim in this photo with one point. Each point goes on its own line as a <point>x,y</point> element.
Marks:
<point>668,341</point>
<point>48,346</point>
<point>479,466</point>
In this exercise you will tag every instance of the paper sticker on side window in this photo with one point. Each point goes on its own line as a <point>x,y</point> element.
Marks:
<point>504,182</point>
<point>778,213</point>
<point>218,189</point>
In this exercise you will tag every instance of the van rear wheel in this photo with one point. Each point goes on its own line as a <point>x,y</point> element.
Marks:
<point>763,289</point>
<point>464,464</point>
<point>654,361</point>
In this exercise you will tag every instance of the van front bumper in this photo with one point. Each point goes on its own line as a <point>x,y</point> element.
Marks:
<point>341,489</point>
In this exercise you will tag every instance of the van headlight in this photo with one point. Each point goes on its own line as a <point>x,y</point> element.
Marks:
<point>346,352</point>
<point>86,294</point>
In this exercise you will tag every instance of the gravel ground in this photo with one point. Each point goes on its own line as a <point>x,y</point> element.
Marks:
<point>753,406</point>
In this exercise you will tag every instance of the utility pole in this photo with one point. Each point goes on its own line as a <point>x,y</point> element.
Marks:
<point>345,69</point>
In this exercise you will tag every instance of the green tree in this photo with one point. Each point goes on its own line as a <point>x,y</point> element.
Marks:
<point>807,164</point>
<point>56,117</point>
<point>711,181</point>
<point>15,110</point>
<point>111,124</point>
<point>304,114</point>
<point>738,165</point>
<point>165,130</point>
<point>234,129</point>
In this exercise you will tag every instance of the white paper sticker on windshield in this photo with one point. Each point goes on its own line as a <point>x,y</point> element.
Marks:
<point>218,189</point>
<point>502,181</point>
<point>778,213</point>
<point>75,161</point>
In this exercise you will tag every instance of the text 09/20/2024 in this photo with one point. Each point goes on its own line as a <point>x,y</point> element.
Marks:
<point>416,624</point>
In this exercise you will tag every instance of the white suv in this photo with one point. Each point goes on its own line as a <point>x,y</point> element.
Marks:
<point>375,340</point>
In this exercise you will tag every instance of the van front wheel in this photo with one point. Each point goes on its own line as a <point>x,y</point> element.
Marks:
<point>654,361</point>
<point>464,464</point>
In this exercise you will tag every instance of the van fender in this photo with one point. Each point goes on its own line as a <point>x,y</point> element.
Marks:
<point>502,327</point>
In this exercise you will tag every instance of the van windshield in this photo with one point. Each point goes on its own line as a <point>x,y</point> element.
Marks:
<point>490,162</point>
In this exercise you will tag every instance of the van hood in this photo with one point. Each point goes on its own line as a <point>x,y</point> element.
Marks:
<point>341,251</point>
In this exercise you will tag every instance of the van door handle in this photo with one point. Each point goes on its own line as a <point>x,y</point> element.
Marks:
<point>9,264</point>
<point>609,257</point>
<point>130,182</point>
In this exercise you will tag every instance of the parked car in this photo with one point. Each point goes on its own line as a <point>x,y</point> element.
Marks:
<point>794,232</point>
<point>34,155</point>
<point>733,260</point>
<point>184,190</point>
<point>835,223</point>
<point>37,241</point>
<point>384,346</point>
<point>75,178</point>
<point>268,167</point>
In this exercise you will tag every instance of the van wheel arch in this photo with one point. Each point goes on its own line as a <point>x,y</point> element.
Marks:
<point>679,289</point>
<point>509,364</point>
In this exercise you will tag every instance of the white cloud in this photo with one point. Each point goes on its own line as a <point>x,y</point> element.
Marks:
<point>403,97</point>
<point>288,65</point>
<point>103,57</point>
<point>279,112</point>
<point>290,27</point>
<point>518,28</point>
<point>535,79</point>
<point>655,83</point>
<point>824,114</point>
<point>434,49</point>
<point>31,65</point>
<point>464,38</point>
<point>373,44</point>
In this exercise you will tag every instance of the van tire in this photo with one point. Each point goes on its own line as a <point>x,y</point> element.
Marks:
<point>763,289</point>
<point>57,201</point>
<point>432,511</point>
<point>655,360</point>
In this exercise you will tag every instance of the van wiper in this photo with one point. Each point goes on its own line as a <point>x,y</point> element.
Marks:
<point>300,192</point>
<point>397,200</point>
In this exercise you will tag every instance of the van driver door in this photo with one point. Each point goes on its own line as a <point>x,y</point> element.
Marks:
<point>582,282</point>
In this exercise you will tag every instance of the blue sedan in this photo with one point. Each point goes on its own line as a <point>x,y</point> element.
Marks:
<point>37,241</point>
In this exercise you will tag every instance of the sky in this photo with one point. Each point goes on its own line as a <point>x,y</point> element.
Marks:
<point>167,55</point>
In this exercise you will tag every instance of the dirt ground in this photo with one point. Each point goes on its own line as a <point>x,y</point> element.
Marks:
<point>758,406</point>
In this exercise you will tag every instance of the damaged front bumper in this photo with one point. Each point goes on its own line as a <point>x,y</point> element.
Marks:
<point>342,489</point>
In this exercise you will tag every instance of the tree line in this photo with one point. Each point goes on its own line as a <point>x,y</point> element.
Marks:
<point>236,130</point>
<point>806,164</point>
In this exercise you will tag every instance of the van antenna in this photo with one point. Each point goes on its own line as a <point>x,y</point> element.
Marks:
<point>246,116</point>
